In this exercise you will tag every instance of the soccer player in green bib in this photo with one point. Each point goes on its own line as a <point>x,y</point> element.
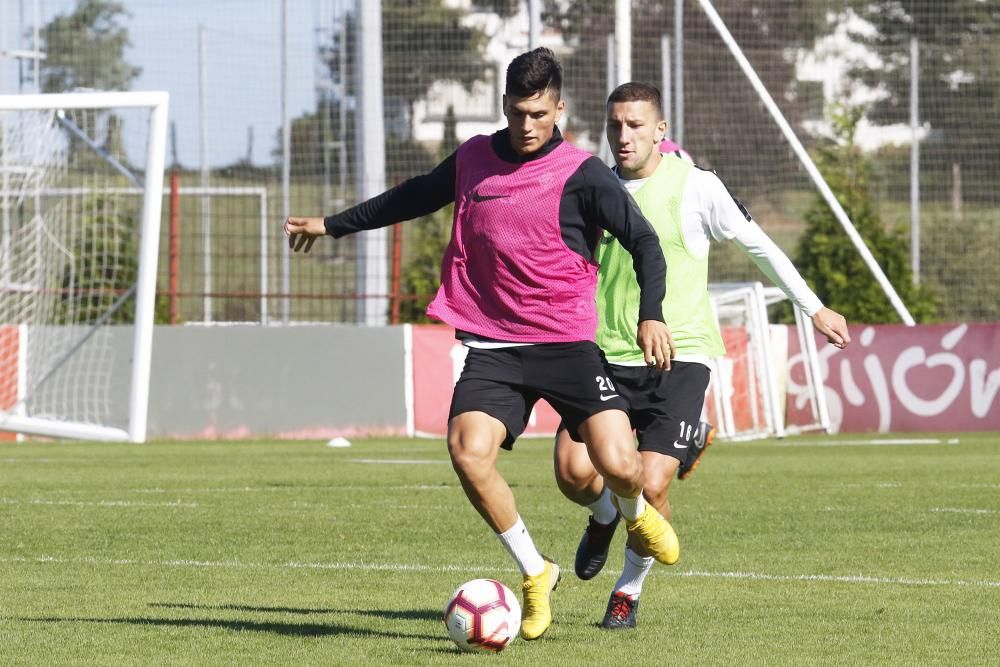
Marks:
<point>689,207</point>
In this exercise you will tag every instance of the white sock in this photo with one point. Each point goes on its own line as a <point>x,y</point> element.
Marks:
<point>518,543</point>
<point>635,571</point>
<point>603,509</point>
<point>630,508</point>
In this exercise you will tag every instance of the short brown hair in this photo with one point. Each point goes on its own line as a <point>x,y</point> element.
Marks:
<point>634,91</point>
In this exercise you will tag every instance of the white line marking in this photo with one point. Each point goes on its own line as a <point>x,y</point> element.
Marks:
<point>416,567</point>
<point>232,489</point>
<point>874,442</point>
<point>402,462</point>
<point>296,489</point>
<point>32,459</point>
<point>962,510</point>
<point>845,579</point>
<point>98,503</point>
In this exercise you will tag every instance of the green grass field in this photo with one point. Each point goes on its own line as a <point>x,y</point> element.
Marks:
<point>803,551</point>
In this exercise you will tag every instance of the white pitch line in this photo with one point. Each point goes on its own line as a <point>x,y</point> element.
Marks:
<point>844,579</point>
<point>32,459</point>
<point>873,442</point>
<point>231,489</point>
<point>962,510</point>
<point>417,567</point>
<point>403,462</point>
<point>98,503</point>
<point>296,489</point>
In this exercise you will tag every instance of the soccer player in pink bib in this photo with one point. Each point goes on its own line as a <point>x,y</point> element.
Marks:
<point>517,283</point>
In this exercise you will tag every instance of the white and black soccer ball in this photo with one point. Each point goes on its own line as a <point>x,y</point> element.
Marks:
<point>482,615</point>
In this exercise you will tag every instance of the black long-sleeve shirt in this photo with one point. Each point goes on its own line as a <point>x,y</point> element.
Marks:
<point>592,199</point>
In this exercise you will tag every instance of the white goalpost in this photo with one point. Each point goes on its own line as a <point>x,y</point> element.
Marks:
<point>747,395</point>
<point>78,271</point>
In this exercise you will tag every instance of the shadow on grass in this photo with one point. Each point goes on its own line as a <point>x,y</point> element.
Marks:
<point>241,607</point>
<point>286,629</point>
<point>389,614</point>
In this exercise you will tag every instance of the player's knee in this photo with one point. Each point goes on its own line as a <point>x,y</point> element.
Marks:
<point>575,482</point>
<point>655,489</point>
<point>575,473</point>
<point>621,465</point>
<point>469,453</point>
<point>658,472</point>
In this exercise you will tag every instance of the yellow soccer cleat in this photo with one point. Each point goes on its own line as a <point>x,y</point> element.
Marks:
<point>656,534</point>
<point>536,614</point>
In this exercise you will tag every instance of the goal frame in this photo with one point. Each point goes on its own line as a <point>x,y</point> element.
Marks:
<point>149,238</point>
<point>765,375</point>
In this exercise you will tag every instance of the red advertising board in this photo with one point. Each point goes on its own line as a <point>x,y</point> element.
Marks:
<point>438,359</point>
<point>929,378</point>
<point>940,377</point>
<point>9,371</point>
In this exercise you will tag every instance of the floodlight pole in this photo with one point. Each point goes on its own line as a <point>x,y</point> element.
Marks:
<point>206,202</point>
<point>666,93</point>
<point>286,164</point>
<point>678,119</point>
<point>534,24</point>
<point>372,279</point>
<point>623,41</point>
<point>915,159</point>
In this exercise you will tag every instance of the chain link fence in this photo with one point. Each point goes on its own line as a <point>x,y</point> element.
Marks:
<point>240,72</point>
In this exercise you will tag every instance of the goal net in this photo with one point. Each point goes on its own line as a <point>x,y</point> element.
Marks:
<point>78,261</point>
<point>747,395</point>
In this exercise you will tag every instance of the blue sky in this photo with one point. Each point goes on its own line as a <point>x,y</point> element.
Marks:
<point>243,64</point>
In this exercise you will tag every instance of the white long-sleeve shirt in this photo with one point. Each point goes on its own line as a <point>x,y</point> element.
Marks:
<point>709,212</point>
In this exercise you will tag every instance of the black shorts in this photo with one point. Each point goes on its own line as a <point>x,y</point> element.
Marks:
<point>505,383</point>
<point>664,407</point>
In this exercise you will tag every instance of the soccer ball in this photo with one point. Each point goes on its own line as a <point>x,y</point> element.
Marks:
<point>482,615</point>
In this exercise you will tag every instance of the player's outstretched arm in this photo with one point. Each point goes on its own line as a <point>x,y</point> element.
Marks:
<point>833,325</point>
<point>303,232</point>
<point>657,343</point>
<point>411,199</point>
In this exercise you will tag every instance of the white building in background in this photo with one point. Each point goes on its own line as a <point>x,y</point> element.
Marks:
<point>828,64</point>
<point>479,111</point>
<point>825,67</point>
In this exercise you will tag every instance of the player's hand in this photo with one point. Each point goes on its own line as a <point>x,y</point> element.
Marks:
<point>656,343</point>
<point>832,324</point>
<point>303,232</point>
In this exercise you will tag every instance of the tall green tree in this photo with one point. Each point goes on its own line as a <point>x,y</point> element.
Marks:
<point>959,86</point>
<point>423,42</point>
<point>103,266</point>
<point>86,49</point>
<point>825,255</point>
<point>428,238</point>
<point>724,120</point>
